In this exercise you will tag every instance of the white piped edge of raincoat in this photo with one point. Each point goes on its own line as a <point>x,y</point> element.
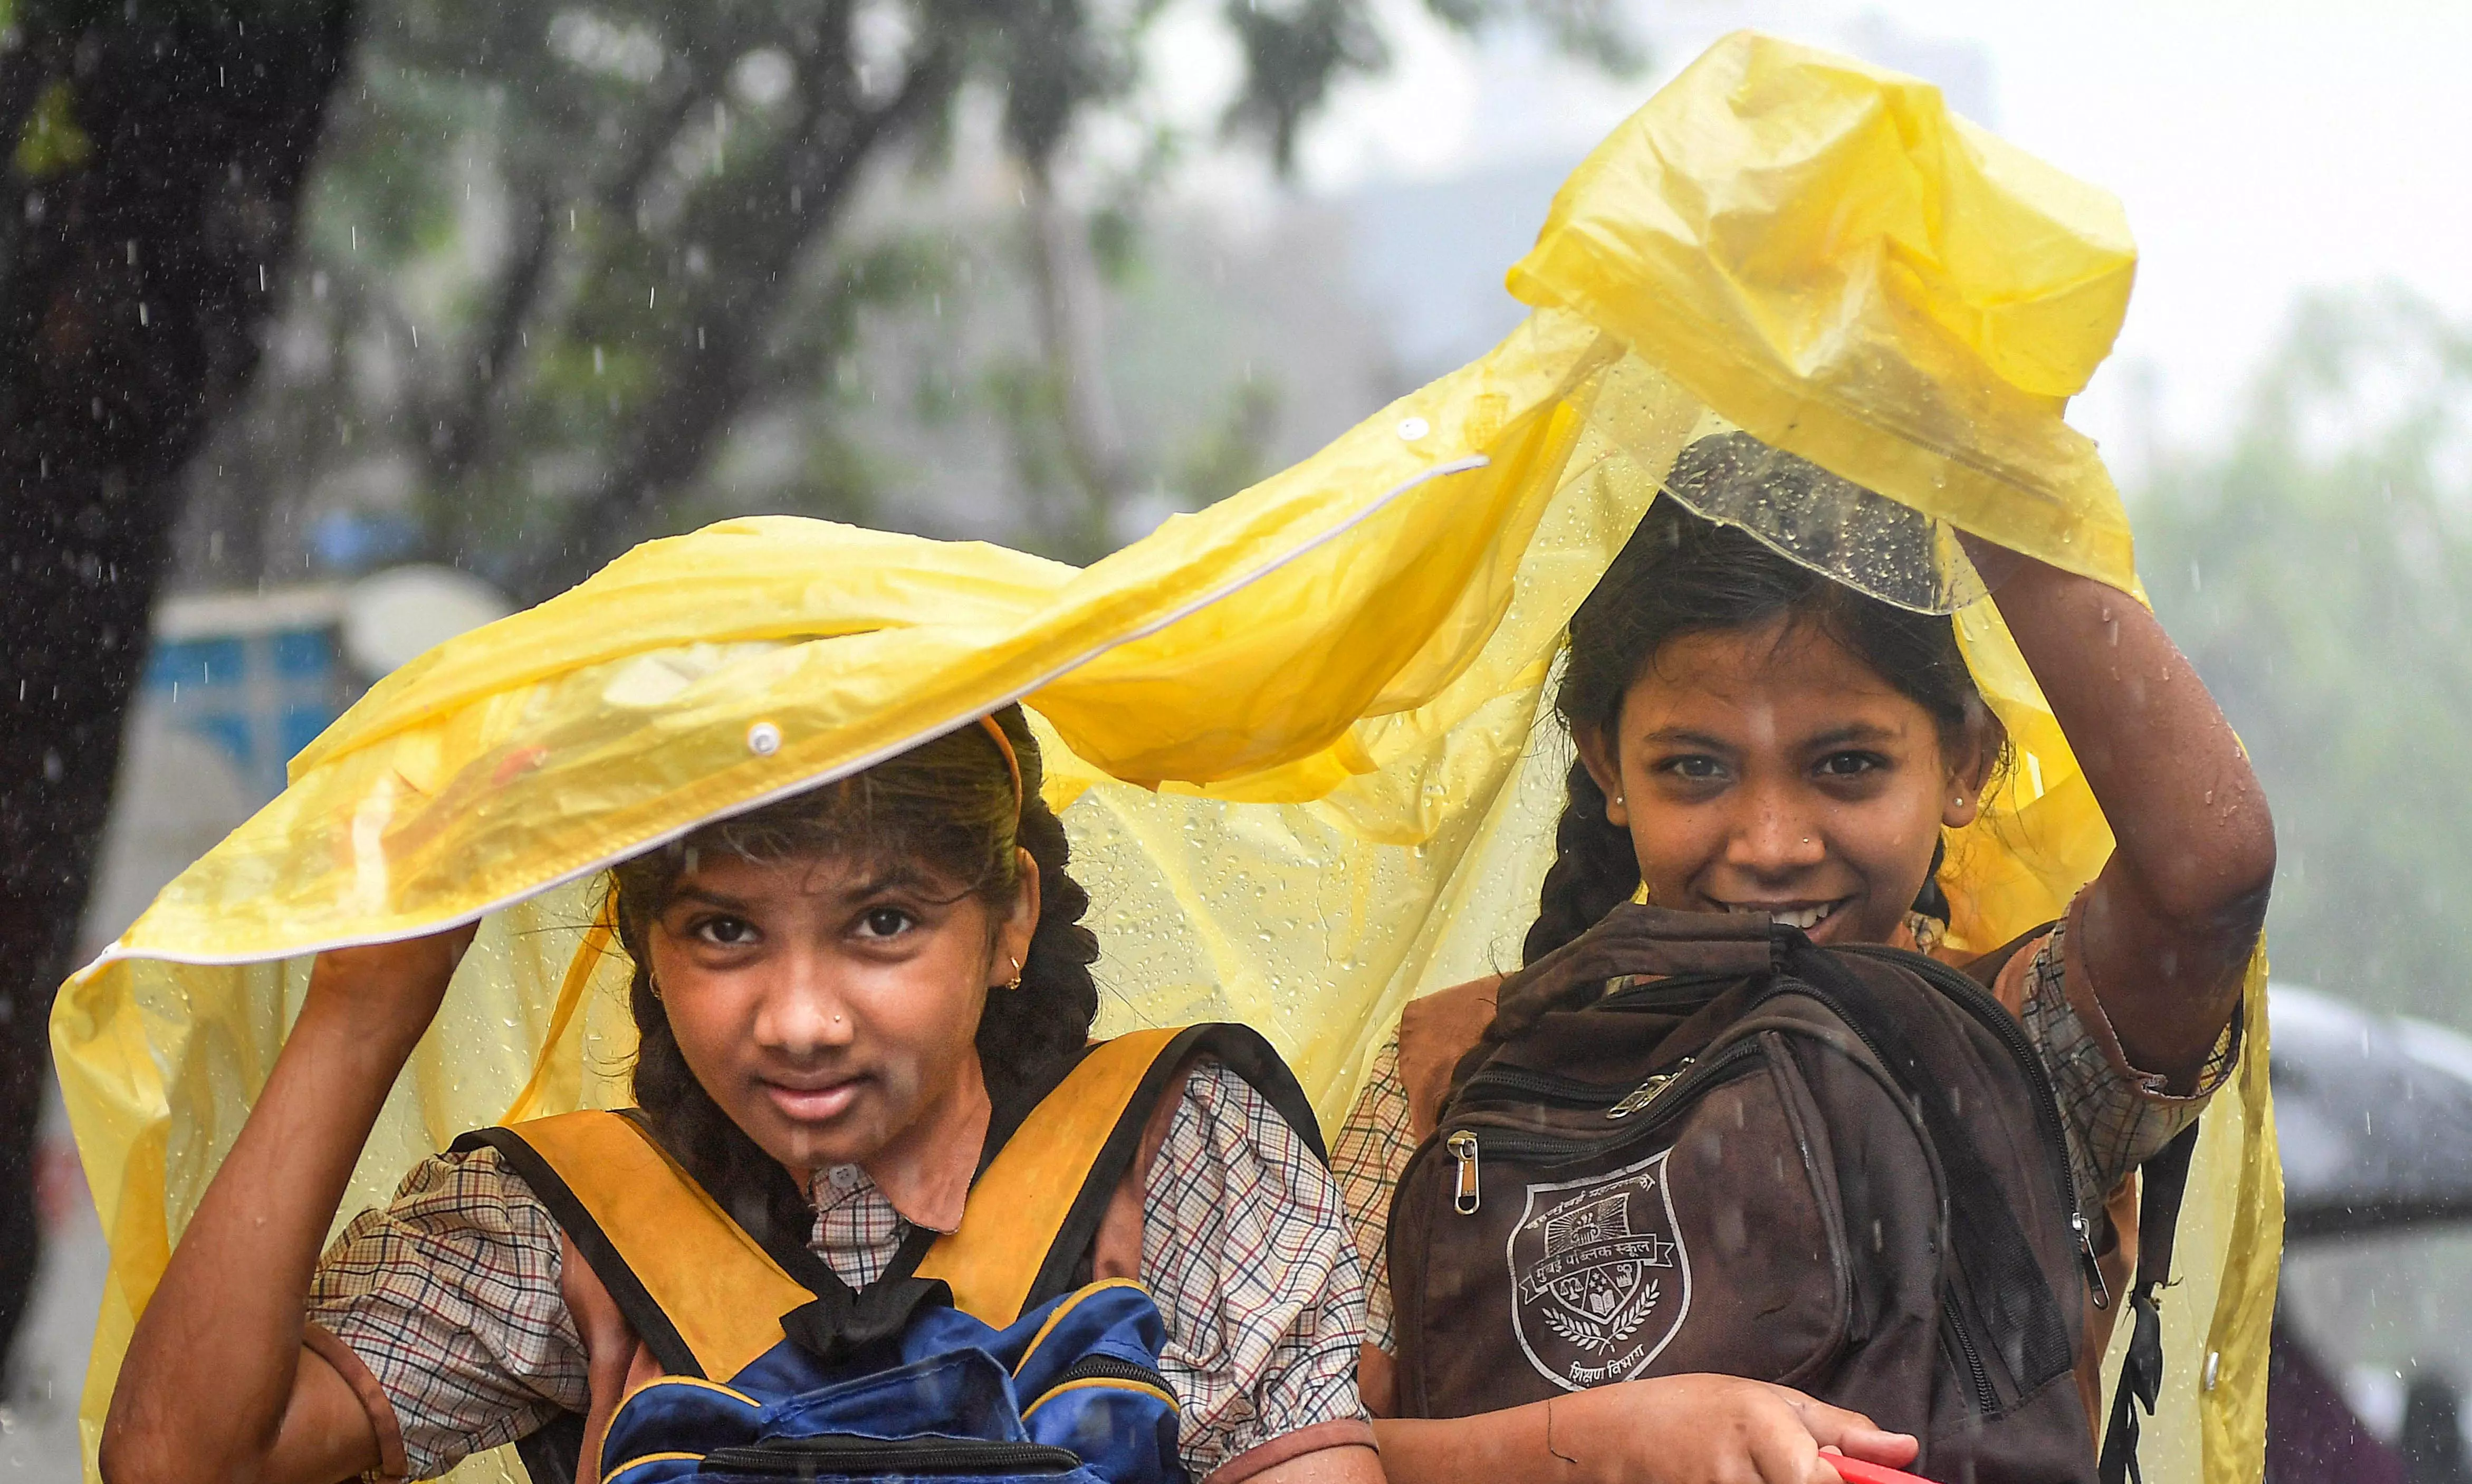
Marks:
<point>123,950</point>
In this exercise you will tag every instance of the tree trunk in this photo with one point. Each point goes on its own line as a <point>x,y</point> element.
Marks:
<point>129,317</point>
<point>1073,337</point>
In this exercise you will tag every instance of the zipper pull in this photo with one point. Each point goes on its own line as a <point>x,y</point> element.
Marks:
<point>2093,1266</point>
<point>1462,1148</point>
<point>1647,1093</point>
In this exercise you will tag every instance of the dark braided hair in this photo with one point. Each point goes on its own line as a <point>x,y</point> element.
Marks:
<point>1680,575</point>
<point>946,805</point>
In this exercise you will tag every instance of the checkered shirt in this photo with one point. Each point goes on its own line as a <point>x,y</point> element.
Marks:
<point>2115,1116</point>
<point>450,1295</point>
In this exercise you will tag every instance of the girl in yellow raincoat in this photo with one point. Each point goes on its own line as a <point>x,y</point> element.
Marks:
<point>841,998</point>
<point>1755,737</point>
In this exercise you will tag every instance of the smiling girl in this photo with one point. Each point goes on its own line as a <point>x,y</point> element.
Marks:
<point>1755,738</point>
<point>845,999</point>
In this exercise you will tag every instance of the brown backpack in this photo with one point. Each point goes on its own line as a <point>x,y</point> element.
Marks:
<point>1840,1169</point>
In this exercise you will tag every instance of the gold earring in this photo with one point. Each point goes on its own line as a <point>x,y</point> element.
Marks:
<point>656,985</point>
<point>1015,982</point>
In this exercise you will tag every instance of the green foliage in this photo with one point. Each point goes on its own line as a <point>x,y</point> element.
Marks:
<point>1230,453</point>
<point>2320,574</point>
<point>52,142</point>
<point>574,274</point>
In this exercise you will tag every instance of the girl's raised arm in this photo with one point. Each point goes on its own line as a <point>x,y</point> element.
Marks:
<point>2168,927</point>
<point>216,1385</point>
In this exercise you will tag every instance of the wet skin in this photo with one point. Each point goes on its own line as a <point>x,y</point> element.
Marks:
<point>1769,770</point>
<point>830,1008</point>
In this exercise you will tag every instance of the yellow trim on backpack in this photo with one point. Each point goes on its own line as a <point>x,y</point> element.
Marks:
<point>1021,1200</point>
<point>697,1382</point>
<point>1111,1383</point>
<point>722,1291</point>
<point>615,1475</point>
<point>1066,1307</point>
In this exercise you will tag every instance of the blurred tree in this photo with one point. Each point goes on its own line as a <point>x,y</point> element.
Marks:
<point>555,254</point>
<point>2318,571</point>
<point>568,259</point>
<point>160,150</point>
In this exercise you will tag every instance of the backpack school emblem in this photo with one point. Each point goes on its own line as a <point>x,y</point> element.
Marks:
<point>1599,1278</point>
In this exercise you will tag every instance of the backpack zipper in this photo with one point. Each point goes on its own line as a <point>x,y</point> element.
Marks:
<point>1649,1091</point>
<point>1539,1087</point>
<point>924,1456</point>
<point>1980,1003</point>
<point>1466,1148</point>
<point>1101,1367</point>
<point>1987,1399</point>
<point>1466,1194</point>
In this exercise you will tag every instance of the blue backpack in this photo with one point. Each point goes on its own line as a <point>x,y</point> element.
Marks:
<point>986,1355</point>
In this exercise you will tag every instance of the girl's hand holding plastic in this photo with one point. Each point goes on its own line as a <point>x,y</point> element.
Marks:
<point>1669,1429</point>
<point>1731,1430</point>
<point>1854,1470</point>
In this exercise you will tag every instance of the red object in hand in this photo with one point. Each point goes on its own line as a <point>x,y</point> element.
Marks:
<point>1854,1470</point>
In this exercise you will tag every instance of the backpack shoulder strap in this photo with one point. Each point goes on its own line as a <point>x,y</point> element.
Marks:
<point>2166,1179</point>
<point>1434,1032</point>
<point>1038,1205</point>
<point>707,1298</point>
<point>1985,969</point>
<point>698,1291</point>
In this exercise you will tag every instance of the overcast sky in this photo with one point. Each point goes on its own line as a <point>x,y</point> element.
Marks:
<point>2262,148</point>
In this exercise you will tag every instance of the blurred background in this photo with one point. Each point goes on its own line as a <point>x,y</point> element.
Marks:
<point>329,329</point>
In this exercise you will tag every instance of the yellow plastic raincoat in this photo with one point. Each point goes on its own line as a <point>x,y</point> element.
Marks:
<point>1297,736</point>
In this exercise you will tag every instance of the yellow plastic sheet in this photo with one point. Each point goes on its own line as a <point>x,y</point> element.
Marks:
<point>1298,737</point>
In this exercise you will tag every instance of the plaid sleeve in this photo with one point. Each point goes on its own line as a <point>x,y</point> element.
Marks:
<point>449,1296</point>
<point>1245,1246</point>
<point>2115,1116</point>
<point>1367,1158</point>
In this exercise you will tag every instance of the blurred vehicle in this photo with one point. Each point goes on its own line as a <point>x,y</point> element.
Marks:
<point>2374,1118</point>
